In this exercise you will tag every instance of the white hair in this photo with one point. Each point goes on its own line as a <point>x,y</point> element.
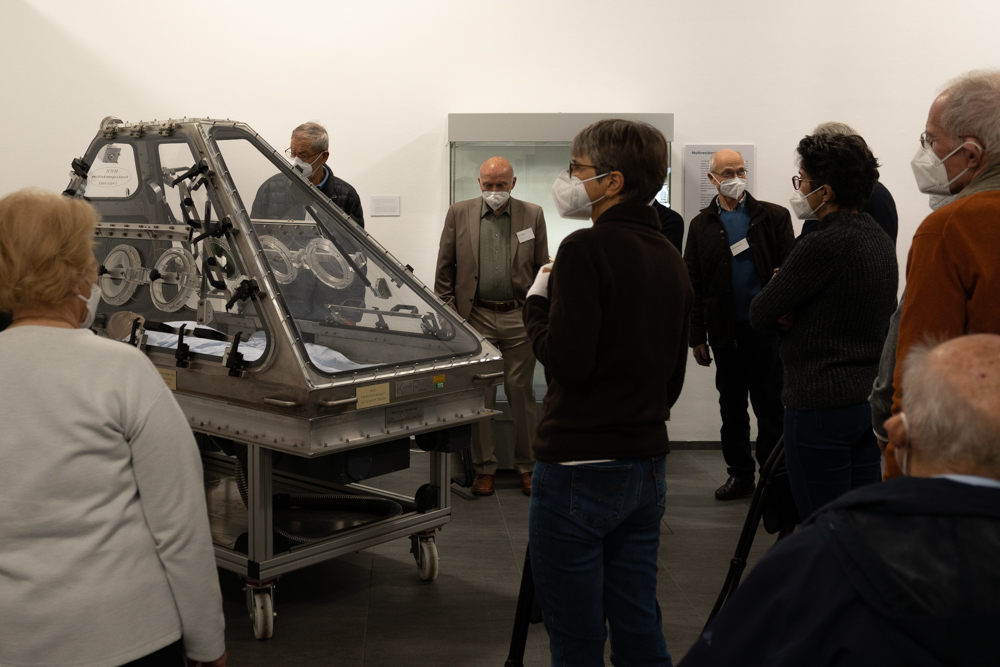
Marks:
<point>833,127</point>
<point>942,423</point>
<point>972,109</point>
<point>316,134</point>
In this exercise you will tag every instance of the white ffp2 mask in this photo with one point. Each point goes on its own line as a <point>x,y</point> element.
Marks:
<point>732,187</point>
<point>800,205</point>
<point>306,168</point>
<point>92,302</point>
<point>930,172</point>
<point>570,196</point>
<point>495,199</point>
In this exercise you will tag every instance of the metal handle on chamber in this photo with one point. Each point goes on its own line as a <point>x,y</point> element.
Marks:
<point>336,404</point>
<point>487,376</point>
<point>280,402</point>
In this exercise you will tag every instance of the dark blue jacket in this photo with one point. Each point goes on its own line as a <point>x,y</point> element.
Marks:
<point>901,573</point>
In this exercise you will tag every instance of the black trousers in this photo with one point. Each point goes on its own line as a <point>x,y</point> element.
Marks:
<point>751,368</point>
<point>168,656</point>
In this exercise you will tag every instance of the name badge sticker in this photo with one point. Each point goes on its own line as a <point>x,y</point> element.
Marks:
<point>525,235</point>
<point>739,247</point>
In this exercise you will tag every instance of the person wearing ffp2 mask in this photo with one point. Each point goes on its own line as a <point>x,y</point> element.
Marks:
<point>733,247</point>
<point>953,274</point>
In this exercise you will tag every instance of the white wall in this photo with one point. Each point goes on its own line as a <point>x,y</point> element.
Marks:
<point>383,75</point>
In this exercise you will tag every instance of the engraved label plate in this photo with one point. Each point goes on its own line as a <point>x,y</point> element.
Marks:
<point>404,413</point>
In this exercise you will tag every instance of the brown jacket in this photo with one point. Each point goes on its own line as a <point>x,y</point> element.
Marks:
<point>456,278</point>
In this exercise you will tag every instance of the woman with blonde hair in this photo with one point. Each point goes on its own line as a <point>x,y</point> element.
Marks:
<point>105,552</point>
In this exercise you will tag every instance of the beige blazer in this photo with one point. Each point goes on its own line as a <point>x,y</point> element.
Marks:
<point>457,276</point>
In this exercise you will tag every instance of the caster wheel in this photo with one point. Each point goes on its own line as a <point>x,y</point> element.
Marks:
<point>427,560</point>
<point>263,615</point>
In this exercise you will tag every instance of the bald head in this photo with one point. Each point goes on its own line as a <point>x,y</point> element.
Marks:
<point>726,158</point>
<point>951,396</point>
<point>496,175</point>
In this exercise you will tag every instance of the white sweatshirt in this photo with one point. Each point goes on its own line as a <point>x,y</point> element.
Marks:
<point>105,550</point>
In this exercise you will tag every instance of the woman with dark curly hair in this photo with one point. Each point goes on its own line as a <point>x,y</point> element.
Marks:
<point>832,298</point>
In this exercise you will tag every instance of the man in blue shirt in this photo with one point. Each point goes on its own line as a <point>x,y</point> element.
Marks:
<point>734,245</point>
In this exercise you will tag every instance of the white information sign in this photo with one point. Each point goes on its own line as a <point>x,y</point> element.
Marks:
<point>698,190</point>
<point>384,206</point>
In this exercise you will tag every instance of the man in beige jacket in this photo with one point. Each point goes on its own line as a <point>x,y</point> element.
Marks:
<point>491,249</point>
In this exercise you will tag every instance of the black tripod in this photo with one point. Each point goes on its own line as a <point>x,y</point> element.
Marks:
<point>528,612</point>
<point>781,518</point>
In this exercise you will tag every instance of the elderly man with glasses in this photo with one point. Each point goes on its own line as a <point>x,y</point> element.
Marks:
<point>952,271</point>
<point>308,152</point>
<point>734,245</point>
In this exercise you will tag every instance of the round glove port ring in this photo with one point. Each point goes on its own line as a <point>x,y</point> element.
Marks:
<point>118,290</point>
<point>328,264</point>
<point>279,259</point>
<point>178,272</point>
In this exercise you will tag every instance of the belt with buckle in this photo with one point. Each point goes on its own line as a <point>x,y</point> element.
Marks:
<point>497,306</point>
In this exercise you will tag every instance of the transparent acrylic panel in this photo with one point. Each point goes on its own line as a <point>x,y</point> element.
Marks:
<point>113,173</point>
<point>156,277</point>
<point>351,307</point>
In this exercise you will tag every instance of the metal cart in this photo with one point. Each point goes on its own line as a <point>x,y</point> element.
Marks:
<point>306,358</point>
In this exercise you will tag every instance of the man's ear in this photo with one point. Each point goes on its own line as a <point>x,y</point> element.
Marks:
<point>513,182</point>
<point>974,155</point>
<point>896,430</point>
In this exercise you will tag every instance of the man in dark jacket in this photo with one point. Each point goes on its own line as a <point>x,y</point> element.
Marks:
<point>309,151</point>
<point>901,573</point>
<point>278,198</point>
<point>734,245</point>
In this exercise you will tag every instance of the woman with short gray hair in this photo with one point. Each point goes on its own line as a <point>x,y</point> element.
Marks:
<point>609,321</point>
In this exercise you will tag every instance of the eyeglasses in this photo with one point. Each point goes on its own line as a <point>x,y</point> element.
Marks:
<point>797,181</point>
<point>926,140</point>
<point>573,165</point>
<point>291,155</point>
<point>729,173</point>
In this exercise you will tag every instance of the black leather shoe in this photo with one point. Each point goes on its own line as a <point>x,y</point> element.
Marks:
<point>735,487</point>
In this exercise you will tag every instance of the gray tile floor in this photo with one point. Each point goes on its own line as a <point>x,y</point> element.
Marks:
<point>371,609</point>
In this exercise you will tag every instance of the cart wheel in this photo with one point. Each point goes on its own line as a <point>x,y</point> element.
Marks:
<point>263,615</point>
<point>427,560</point>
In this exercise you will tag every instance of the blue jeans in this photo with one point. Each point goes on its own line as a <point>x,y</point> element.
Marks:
<point>594,532</point>
<point>828,453</point>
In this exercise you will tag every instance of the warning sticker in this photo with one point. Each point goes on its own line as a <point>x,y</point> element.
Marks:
<point>439,382</point>
<point>377,394</point>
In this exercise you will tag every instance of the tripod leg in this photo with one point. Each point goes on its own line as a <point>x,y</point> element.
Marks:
<point>522,617</point>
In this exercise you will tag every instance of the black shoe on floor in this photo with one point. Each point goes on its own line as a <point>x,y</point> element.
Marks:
<point>734,488</point>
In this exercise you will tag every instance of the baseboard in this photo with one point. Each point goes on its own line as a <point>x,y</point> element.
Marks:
<point>695,444</point>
